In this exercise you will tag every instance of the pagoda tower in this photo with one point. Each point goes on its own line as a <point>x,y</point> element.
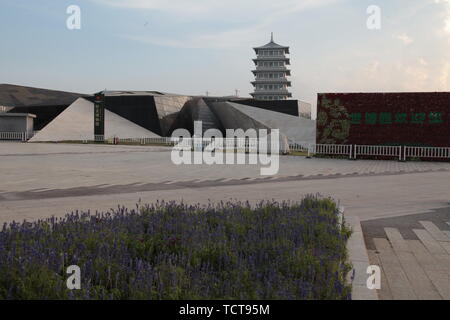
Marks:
<point>271,73</point>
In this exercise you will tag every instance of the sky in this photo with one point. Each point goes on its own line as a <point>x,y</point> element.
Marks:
<point>198,46</point>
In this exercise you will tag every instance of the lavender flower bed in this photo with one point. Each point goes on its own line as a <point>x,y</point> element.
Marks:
<point>175,251</point>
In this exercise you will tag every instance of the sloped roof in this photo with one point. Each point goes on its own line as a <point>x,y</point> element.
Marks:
<point>115,93</point>
<point>21,96</point>
<point>272,45</point>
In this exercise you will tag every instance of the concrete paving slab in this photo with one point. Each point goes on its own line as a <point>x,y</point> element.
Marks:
<point>435,232</point>
<point>358,257</point>
<point>375,228</point>
<point>395,238</point>
<point>421,284</point>
<point>434,268</point>
<point>446,246</point>
<point>398,281</point>
<point>385,291</point>
<point>432,245</point>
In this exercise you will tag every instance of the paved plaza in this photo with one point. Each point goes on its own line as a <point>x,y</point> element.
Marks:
<point>403,206</point>
<point>39,180</point>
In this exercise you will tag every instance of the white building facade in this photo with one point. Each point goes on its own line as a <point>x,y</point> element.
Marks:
<point>271,72</point>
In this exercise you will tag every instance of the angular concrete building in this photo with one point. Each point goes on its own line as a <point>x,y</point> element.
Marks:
<point>152,110</point>
<point>149,114</point>
<point>45,104</point>
<point>238,116</point>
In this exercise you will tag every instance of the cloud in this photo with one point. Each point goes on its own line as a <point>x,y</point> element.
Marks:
<point>445,3</point>
<point>372,70</point>
<point>266,12</point>
<point>444,79</point>
<point>416,78</point>
<point>404,38</point>
<point>240,37</point>
<point>424,66</point>
<point>217,7</point>
<point>414,75</point>
<point>423,62</point>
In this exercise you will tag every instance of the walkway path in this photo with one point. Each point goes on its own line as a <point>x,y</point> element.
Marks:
<point>413,253</point>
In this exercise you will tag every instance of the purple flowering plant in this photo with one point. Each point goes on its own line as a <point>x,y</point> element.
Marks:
<point>169,250</point>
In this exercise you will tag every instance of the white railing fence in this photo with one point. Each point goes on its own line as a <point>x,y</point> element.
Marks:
<point>19,136</point>
<point>299,146</point>
<point>333,149</point>
<point>402,153</point>
<point>384,151</point>
<point>426,152</point>
<point>253,145</point>
<point>16,136</point>
<point>223,144</point>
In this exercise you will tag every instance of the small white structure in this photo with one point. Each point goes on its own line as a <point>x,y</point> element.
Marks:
<point>17,122</point>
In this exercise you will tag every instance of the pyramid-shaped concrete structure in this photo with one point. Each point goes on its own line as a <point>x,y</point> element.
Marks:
<point>235,115</point>
<point>77,123</point>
